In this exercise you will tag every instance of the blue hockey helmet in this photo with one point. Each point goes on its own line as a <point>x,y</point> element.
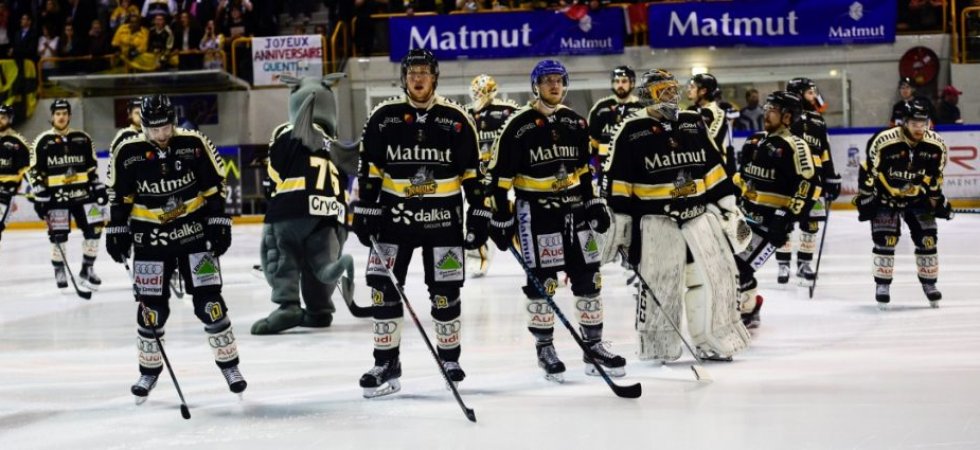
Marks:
<point>547,67</point>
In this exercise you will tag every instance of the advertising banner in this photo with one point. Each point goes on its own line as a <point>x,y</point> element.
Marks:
<point>764,23</point>
<point>298,56</point>
<point>573,31</point>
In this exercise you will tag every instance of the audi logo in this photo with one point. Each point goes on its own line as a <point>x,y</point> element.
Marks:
<point>587,305</point>
<point>448,328</point>
<point>884,261</point>
<point>539,308</point>
<point>551,240</point>
<point>148,268</point>
<point>386,327</point>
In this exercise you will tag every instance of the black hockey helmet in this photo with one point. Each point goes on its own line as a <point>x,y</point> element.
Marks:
<point>906,81</point>
<point>7,110</point>
<point>623,71</point>
<point>787,102</point>
<point>709,83</point>
<point>916,110</point>
<point>59,104</point>
<point>420,57</point>
<point>156,110</point>
<point>134,103</point>
<point>800,85</point>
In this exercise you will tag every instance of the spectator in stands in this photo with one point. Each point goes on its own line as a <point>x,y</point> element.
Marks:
<point>237,25</point>
<point>225,8</point>
<point>120,15</point>
<point>205,10</point>
<point>750,117</point>
<point>187,33</point>
<point>80,13</point>
<point>24,45</point>
<point>153,7</point>
<point>5,30</point>
<point>907,91</point>
<point>99,43</point>
<point>321,30</point>
<point>68,44</point>
<point>131,41</point>
<point>211,44</point>
<point>304,7</point>
<point>948,113</point>
<point>47,46</point>
<point>51,15</point>
<point>160,42</point>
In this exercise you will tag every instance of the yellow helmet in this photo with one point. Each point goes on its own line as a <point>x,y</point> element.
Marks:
<point>483,89</point>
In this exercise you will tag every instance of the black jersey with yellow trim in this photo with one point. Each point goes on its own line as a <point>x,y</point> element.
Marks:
<point>659,165</point>
<point>778,172</point>
<point>166,186</point>
<point>15,159</point>
<point>542,158</point>
<point>605,115</point>
<point>305,181</point>
<point>812,128</point>
<point>64,163</point>
<point>489,122</point>
<point>899,172</point>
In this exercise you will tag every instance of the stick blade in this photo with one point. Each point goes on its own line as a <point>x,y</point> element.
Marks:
<point>84,294</point>
<point>470,414</point>
<point>701,374</point>
<point>185,412</point>
<point>629,391</point>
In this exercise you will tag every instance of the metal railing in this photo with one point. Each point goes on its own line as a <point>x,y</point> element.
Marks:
<point>964,37</point>
<point>60,60</point>
<point>339,32</point>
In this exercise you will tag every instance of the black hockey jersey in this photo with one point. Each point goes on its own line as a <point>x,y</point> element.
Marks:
<point>15,158</point>
<point>778,172</point>
<point>543,158</point>
<point>605,115</point>
<point>415,162</point>
<point>65,164</point>
<point>813,130</point>
<point>489,122</point>
<point>659,165</point>
<point>898,173</point>
<point>899,108</point>
<point>165,186</point>
<point>714,118</point>
<point>306,183</point>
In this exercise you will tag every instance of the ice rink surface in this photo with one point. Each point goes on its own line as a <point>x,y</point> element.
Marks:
<point>828,373</point>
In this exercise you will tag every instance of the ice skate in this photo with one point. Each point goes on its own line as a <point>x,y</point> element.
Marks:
<point>804,274</point>
<point>613,364</point>
<point>454,372</point>
<point>554,369</point>
<point>141,390</point>
<point>882,296</point>
<point>88,279</point>
<point>932,293</point>
<point>236,382</point>
<point>783,276</point>
<point>710,355</point>
<point>382,379</point>
<point>751,320</point>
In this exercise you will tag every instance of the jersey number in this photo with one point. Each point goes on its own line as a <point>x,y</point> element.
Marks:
<point>323,166</point>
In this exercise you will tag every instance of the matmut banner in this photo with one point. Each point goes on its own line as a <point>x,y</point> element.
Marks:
<point>767,23</point>
<point>574,31</point>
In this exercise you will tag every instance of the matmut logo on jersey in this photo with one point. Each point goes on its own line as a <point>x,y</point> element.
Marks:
<point>417,153</point>
<point>65,160</point>
<point>165,186</point>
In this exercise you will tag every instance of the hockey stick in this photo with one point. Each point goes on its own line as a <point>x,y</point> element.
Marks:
<point>823,235</point>
<point>185,412</point>
<point>425,337</point>
<point>629,391</point>
<point>87,295</point>
<point>699,372</point>
<point>966,211</point>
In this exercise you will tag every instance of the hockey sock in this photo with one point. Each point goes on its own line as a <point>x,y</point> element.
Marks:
<point>222,342</point>
<point>148,352</point>
<point>883,265</point>
<point>90,250</point>
<point>445,317</point>
<point>540,319</point>
<point>927,265</point>
<point>808,244</point>
<point>785,253</point>
<point>589,309</point>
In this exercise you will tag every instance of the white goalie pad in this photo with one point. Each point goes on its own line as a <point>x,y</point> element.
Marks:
<point>713,318</point>
<point>732,222</point>
<point>617,236</point>
<point>662,264</point>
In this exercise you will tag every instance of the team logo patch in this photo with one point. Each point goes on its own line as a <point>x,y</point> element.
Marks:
<point>94,214</point>
<point>204,269</point>
<point>448,263</point>
<point>440,301</point>
<point>148,276</point>
<point>590,247</point>
<point>550,287</point>
<point>377,297</point>
<point>379,265</point>
<point>58,220</point>
<point>214,310</point>
<point>551,252</point>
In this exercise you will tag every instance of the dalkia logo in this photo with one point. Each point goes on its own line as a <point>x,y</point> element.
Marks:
<point>421,216</point>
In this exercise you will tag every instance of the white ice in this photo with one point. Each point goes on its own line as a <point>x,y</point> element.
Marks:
<point>828,373</point>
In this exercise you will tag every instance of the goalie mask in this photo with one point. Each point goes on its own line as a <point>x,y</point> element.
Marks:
<point>483,89</point>
<point>659,90</point>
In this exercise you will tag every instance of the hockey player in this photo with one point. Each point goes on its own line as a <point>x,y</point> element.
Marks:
<point>543,154</point>
<point>704,92</point>
<point>15,158</point>
<point>813,130</point>
<point>135,124</point>
<point>907,94</point>
<point>417,152</point>
<point>779,182</point>
<point>489,115</point>
<point>66,185</point>
<point>665,173</point>
<point>902,179</point>
<point>607,113</point>
<point>167,208</point>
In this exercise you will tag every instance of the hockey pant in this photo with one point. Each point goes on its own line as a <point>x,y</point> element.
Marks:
<point>551,241</point>
<point>748,262</point>
<point>89,217</point>
<point>443,263</point>
<point>886,228</point>
<point>154,261</point>
<point>295,255</point>
<point>690,269</point>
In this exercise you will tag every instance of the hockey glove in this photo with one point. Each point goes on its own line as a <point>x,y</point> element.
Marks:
<point>502,229</point>
<point>866,206</point>
<point>477,227</point>
<point>41,202</point>
<point>218,234</point>
<point>596,215</point>
<point>118,241</point>
<point>942,209</point>
<point>831,187</point>
<point>267,188</point>
<point>778,228</point>
<point>98,192</point>
<point>367,221</point>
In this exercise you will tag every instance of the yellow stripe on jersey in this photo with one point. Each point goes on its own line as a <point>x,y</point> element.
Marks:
<point>291,184</point>
<point>910,190</point>
<point>549,184</point>
<point>429,188</point>
<point>159,216</point>
<point>64,180</point>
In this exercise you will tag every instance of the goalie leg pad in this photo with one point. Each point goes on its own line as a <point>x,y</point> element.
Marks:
<point>712,310</point>
<point>662,263</point>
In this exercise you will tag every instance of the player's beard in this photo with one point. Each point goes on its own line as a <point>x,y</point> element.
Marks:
<point>622,93</point>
